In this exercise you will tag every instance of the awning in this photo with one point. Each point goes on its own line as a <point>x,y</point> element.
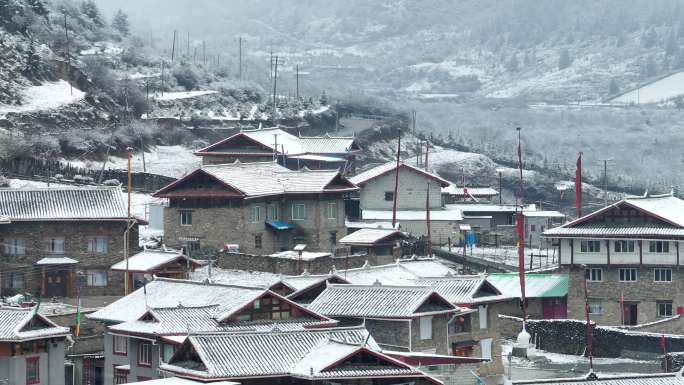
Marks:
<point>464,227</point>
<point>280,225</point>
<point>189,239</point>
<point>57,261</point>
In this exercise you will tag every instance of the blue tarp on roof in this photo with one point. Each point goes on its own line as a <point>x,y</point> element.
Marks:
<point>280,225</point>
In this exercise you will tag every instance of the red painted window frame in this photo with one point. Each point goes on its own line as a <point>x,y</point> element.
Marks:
<point>142,364</point>
<point>124,353</point>
<point>33,360</point>
<point>115,370</point>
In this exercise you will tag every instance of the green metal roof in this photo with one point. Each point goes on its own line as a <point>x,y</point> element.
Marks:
<point>536,285</point>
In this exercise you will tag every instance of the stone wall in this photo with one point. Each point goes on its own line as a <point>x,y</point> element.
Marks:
<point>569,337</point>
<point>76,235</point>
<point>391,335</point>
<point>322,265</point>
<point>439,343</point>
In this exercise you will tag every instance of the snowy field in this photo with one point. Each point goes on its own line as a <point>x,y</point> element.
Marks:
<point>172,161</point>
<point>44,97</point>
<point>658,91</point>
<point>183,95</point>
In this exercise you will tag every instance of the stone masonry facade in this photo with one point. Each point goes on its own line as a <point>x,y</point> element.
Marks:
<point>18,267</point>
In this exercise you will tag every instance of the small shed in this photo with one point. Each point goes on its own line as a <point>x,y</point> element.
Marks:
<point>547,294</point>
<point>373,241</point>
<point>165,263</point>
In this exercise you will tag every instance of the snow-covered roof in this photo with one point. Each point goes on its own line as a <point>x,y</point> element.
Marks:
<point>56,261</point>
<point>452,189</point>
<point>268,178</point>
<point>448,213</point>
<point>601,379</point>
<point>484,208</point>
<point>305,281</point>
<point>149,260</point>
<point>390,167</point>
<point>536,285</point>
<point>367,225</point>
<point>63,204</point>
<point>168,293</point>
<point>544,214</point>
<point>379,301</point>
<point>403,272</point>
<point>236,277</point>
<point>287,143</point>
<point>23,324</point>
<point>369,237</point>
<point>461,289</point>
<point>667,209</point>
<point>302,354</point>
<point>305,256</point>
<point>180,381</point>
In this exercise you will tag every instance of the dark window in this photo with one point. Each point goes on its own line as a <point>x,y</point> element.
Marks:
<point>590,246</point>
<point>533,228</point>
<point>15,247</point>
<point>333,238</point>
<point>54,245</point>
<point>659,247</point>
<point>32,370</point>
<point>664,308</point>
<point>120,376</point>
<point>389,196</point>
<point>624,246</point>
<point>257,241</point>
<point>662,275</point>
<point>96,278</point>
<point>186,218</point>
<point>628,274</point>
<point>594,274</point>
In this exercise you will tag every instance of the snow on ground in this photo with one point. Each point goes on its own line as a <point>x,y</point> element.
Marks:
<point>508,255</point>
<point>658,91</point>
<point>183,95</point>
<point>46,96</point>
<point>172,161</point>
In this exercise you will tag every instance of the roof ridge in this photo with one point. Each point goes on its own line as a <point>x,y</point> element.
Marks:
<point>184,307</point>
<point>62,188</point>
<point>381,286</point>
<point>333,329</point>
<point>203,283</point>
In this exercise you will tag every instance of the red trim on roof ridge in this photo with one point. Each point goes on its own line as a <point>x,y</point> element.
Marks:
<point>228,139</point>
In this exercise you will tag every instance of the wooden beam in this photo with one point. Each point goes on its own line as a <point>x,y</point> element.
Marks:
<point>608,250</point>
<point>677,248</point>
<point>572,251</point>
<point>641,253</point>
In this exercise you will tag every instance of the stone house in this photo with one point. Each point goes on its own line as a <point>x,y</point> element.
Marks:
<point>164,263</point>
<point>402,318</point>
<point>376,200</point>
<point>292,151</point>
<point>146,327</point>
<point>538,221</point>
<point>258,208</point>
<point>348,356</point>
<point>629,254</point>
<point>31,348</point>
<point>56,239</point>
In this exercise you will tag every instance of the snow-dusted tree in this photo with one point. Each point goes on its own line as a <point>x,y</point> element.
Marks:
<point>90,9</point>
<point>120,23</point>
<point>564,60</point>
<point>649,38</point>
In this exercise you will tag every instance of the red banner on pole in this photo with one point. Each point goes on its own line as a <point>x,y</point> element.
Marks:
<point>578,186</point>
<point>520,219</point>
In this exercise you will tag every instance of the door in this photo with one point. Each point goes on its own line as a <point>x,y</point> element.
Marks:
<point>554,308</point>
<point>55,283</point>
<point>630,313</point>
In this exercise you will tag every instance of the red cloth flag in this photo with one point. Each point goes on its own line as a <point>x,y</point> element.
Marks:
<point>578,186</point>
<point>662,343</point>
<point>521,263</point>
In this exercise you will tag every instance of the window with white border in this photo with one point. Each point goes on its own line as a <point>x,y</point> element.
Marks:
<point>426,328</point>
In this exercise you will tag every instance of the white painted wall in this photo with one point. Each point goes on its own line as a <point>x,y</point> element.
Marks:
<point>411,195</point>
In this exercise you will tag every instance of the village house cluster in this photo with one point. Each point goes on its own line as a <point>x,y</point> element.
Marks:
<point>285,261</point>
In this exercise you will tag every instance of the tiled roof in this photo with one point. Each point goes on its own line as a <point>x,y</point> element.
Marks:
<point>304,281</point>
<point>627,379</point>
<point>402,273</point>
<point>536,285</point>
<point>185,320</point>
<point>377,301</point>
<point>235,355</point>
<point>390,167</point>
<point>291,144</point>
<point>236,277</point>
<point>615,230</point>
<point>15,325</point>
<point>459,289</point>
<point>269,178</point>
<point>179,381</point>
<point>62,204</point>
<point>667,207</point>
<point>166,293</point>
<point>544,214</point>
<point>148,260</point>
<point>370,237</point>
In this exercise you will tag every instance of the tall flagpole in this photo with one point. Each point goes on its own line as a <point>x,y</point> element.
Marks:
<point>396,185</point>
<point>523,341</point>
<point>589,332</point>
<point>128,222</point>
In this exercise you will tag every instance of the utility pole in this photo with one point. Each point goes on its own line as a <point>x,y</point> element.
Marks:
<point>173,47</point>
<point>275,88</point>
<point>187,51</point>
<point>297,79</point>
<point>414,122</point>
<point>240,56</point>
<point>605,180</point>
<point>68,56</point>
<point>162,78</point>
<point>270,70</point>
<point>128,221</point>
<point>204,52</point>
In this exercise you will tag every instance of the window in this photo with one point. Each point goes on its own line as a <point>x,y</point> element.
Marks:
<point>389,196</point>
<point>662,275</point>
<point>96,278</point>
<point>186,218</point>
<point>32,370</point>
<point>664,308</point>
<point>167,352</point>
<point>624,246</point>
<point>54,245</point>
<point>120,376</point>
<point>120,345</point>
<point>98,245</point>
<point>533,228</point>
<point>659,247</point>
<point>255,214</point>
<point>590,246</point>
<point>257,241</point>
<point>482,315</point>
<point>426,328</point>
<point>273,212</point>
<point>144,354</point>
<point>333,238</point>
<point>331,212</point>
<point>13,280</point>
<point>594,274</point>
<point>595,307</point>
<point>298,211</point>
<point>15,247</point>
<point>628,274</point>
